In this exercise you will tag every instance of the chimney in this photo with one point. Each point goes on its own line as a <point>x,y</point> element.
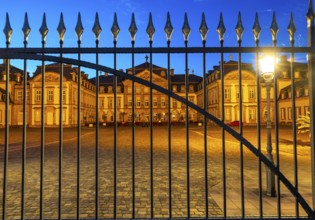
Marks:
<point>172,72</point>
<point>18,77</point>
<point>4,77</point>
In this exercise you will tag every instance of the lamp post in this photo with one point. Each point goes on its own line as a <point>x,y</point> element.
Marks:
<point>267,72</point>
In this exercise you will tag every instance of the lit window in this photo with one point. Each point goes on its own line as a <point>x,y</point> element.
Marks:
<point>289,113</point>
<point>110,102</point>
<point>163,103</point>
<point>102,103</point>
<point>38,95</point>
<point>251,92</point>
<point>155,102</point>
<point>146,103</point>
<point>227,93</point>
<point>282,113</point>
<point>129,102</point>
<point>19,96</point>
<point>252,114</point>
<point>64,96</point>
<point>138,102</point>
<point>50,95</point>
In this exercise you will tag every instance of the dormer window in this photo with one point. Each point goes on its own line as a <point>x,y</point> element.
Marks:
<point>110,89</point>
<point>182,88</point>
<point>191,88</point>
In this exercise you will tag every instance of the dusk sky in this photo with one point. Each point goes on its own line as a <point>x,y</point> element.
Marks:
<point>159,9</point>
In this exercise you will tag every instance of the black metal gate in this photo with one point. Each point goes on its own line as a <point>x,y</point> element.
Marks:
<point>153,209</point>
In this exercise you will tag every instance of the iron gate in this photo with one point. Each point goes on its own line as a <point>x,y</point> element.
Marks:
<point>40,54</point>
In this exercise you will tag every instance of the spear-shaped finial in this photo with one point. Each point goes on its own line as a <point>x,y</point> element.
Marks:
<point>61,28</point>
<point>79,28</point>
<point>150,28</point>
<point>239,29</point>
<point>186,28</point>
<point>274,28</point>
<point>7,29</point>
<point>256,28</point>
<point>291,28</point>
<point>310,12</point>
<point>97,27</point>
<point>203,29</point>
<point>221,28</point>
<point>26,28</point>
<point>115,28</point>
<point>43,29</point>
<point>133,28</point>
<point>168,29</point>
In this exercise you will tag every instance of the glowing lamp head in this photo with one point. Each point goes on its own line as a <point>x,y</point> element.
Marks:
<point>267,67</point>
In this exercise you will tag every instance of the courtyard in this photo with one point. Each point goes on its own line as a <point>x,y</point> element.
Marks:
<point>142,172</point>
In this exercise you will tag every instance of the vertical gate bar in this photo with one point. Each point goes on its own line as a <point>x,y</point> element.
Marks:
<point>133,130</point>
<point>115,131</point>
<point>241,126</point>
<point>276,132</point>
<point>205,128</point>
<point>223,131</point>
<point>60,132</point>
<point>6,135</point>
<point>97,81</point>
<point>186,128</point>
<point>78,133</point>
<point>42,139</point>
<point>43,30</point>
<point>311,72</point>
<point>259,131</point>
<point>169,130</point>
<point>294,129</point>
<point>24,136</point>
<point>151,137</point>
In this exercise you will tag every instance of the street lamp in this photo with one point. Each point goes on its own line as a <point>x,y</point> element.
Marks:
<point>267,71</point>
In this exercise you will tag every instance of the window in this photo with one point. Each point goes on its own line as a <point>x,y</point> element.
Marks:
<point>252,114</point>
<point>129,102</point>
<point>64,115</point>
<point>146,89</point>
<point>282,113</point>
<point>119,102</point>
<point>174,103</point>
<point>289,113</point>
<point>155,102</point>
<point>102,103</point>
<point>306,109</point>
<point>110,102</point>
<point>191,99</point>
<point>146,102</point>
<point>110,89</point>
<point>64,97</point>
<point>228,114</point>
<point>174,89</point>
<point>38,95</point>
<point>50,96</point>
<point>129,90</point>
<point>163,103</point>
<point>182,88</point>
<point>297,111</point>
<point>138,90</point>
<point>19,96</point>
<point>28,95</point>
<point>191,88</point>
<point>138,102</point>
<point>37,115</point>
<point>227,93</point>
<point>251,93</point>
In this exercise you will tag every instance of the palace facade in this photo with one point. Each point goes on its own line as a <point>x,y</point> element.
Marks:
<point>141,101</point>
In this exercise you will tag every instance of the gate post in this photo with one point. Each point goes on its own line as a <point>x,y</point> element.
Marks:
<point>311,71</point>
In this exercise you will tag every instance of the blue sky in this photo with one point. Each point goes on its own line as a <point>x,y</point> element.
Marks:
<point>158,8</point>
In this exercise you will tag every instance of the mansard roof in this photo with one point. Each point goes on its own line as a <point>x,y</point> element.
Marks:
<point>180,78</point>
<point>55,67</point>
<point>13,71</point>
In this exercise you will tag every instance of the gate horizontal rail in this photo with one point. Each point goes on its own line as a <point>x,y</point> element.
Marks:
<point>157,50</point>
